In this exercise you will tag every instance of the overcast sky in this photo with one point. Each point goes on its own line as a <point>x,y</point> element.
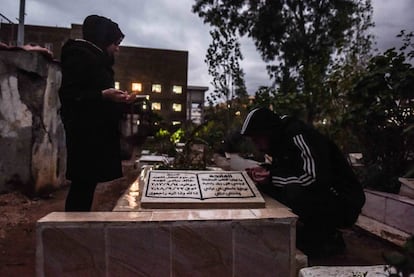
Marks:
<point>169,24</point>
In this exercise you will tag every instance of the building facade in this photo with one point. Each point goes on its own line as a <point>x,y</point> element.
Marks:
<point>160,76</point>
<point>195,103</point>
<point>157,74</point>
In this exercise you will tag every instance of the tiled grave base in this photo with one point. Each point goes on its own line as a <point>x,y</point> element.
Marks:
<point>238,242</point>
<point>382,230</point>
<point>390,209</point>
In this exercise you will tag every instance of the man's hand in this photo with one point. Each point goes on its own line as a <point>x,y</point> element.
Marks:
<point>258,174</point>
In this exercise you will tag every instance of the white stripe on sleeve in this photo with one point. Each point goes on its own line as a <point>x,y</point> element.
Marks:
<point>309,175</point>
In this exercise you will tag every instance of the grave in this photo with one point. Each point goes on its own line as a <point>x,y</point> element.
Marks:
<point>200,189</point>
<point>136,241</point>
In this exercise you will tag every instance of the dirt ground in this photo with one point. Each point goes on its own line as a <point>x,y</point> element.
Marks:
<point>18,216</point>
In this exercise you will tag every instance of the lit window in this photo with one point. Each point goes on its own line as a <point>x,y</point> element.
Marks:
<point>156,88</point>
<point>176,123</point>
<point>136,87</point>
<point>178,89</point>
<point>176,107</point>
<point>156,106</point>
<point>117,85</point>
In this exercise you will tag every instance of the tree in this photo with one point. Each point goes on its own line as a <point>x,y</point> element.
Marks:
<point>223,57</point>
<point>289,103</point>
<point>349,64</point>
<point>380,114</point>
<point>297,38</point>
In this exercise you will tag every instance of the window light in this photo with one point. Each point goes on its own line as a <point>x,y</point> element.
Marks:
<point>177,89</point>
<point>156,106</point>
<point>156,88</point>
<point>177,107</point>
<point>136,87</point>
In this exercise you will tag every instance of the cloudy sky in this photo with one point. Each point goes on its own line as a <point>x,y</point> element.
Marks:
<point>170,24</point>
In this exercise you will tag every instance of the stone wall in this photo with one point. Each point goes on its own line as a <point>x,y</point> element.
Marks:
<point>32,148</point>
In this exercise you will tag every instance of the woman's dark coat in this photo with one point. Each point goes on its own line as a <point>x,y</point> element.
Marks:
<point>91,122</point>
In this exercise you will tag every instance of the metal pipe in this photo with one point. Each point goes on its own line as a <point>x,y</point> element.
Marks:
<point>20,30</point>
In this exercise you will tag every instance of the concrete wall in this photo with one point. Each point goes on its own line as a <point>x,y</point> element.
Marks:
<point>32,149</point>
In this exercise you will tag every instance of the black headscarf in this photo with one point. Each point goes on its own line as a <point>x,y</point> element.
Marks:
<point>101,31</point>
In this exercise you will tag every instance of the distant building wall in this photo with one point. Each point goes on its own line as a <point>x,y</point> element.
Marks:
<point>195,103</point>
<point>51,38</point>
<point>158,71</point>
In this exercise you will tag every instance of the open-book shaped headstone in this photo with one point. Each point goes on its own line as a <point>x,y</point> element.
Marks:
<point>169,189</point>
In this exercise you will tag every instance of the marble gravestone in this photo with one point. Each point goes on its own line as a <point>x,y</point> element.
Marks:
<point>170,189</point>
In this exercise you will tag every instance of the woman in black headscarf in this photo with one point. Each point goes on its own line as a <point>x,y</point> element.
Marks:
<point>91,110</point>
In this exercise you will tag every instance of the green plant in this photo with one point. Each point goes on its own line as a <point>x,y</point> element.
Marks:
<point>401,264</point>
<point>161,143</point>
<point>195,152</point>
<point>409,132</point>
<point>379,113</point>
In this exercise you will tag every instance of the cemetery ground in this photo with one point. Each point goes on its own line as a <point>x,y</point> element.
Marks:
<point>19,213</point>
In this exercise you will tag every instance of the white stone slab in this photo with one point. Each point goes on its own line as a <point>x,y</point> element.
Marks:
<point>200,189</point>
<point>343,271</point>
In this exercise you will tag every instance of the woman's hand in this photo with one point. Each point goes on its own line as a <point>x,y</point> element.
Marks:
<point>258,174</point>
<point>117,95</point>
